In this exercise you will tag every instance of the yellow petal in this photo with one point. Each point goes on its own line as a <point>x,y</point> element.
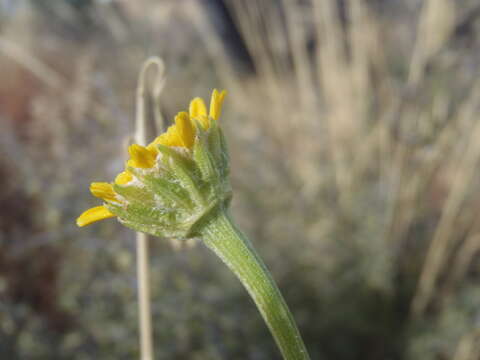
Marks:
<point>103,191</point>
<point>185,130</point>
<point>197,108</point>
<point>216,103</point>
<point>94,214</point>
<point>141,157</point>
<point>169,138</point>
<point>152,146</point>
<point>123,178</point>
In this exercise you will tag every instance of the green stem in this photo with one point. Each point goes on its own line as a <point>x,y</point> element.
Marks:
<point>222,236</point>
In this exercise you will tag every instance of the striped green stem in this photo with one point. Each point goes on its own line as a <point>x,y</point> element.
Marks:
<point>222,236</point>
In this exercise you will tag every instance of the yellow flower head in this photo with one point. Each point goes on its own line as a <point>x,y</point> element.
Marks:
<point>183,134</point>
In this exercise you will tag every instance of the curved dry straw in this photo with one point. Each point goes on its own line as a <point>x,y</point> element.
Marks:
<point>145,316</point>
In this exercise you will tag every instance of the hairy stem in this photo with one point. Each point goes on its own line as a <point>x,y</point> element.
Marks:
<point>222,236</point>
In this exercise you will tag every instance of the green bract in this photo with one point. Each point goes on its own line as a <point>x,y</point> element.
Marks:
<point>178,194</point>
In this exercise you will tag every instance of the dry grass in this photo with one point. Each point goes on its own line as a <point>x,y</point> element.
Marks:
<point>355,168</point>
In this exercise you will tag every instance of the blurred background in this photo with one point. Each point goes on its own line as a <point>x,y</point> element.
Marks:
<point>355,141</point>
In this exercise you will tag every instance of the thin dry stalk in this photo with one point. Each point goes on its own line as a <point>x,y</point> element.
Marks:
<point>442,239</point>
<point>468,347</point>
<point>145,316</point>
<point>38,68</point>
<point>435,25</point>
<point>467,253</point>
<point>335,77</point>
<point>296,31</point>
<point>196,14</point>
<point>437,21</point>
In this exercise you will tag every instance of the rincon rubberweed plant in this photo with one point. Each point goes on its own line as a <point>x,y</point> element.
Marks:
<point>170,185</point>
<point>178,186</point>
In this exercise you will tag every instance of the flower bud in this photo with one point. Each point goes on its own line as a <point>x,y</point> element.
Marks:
<point>170,187</point>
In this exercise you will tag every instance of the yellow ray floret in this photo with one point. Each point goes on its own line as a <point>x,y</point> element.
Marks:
<point>94,214</point>
<point>141,157</point>
<point>197,108</point>
<point>168,138</point>
<point>181,134</point>
<point>216,103</point>
<point>123,178</point>
<point>103,191</point>
<point>185,130</point>
<point>198,111</point>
